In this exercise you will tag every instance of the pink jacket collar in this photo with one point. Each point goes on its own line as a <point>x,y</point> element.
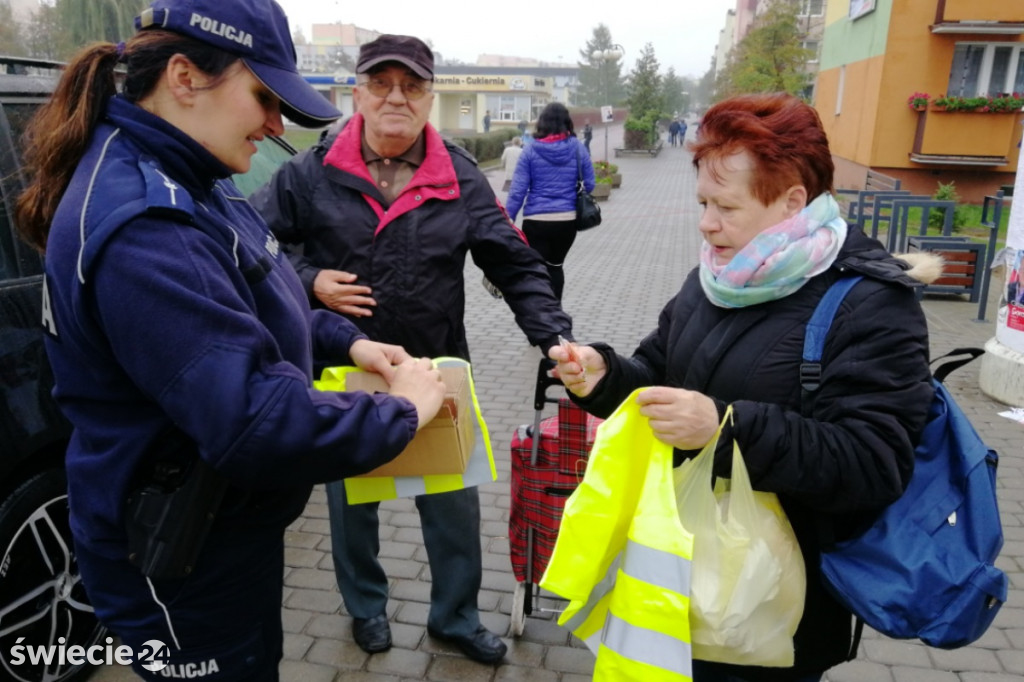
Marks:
<point>434,179</point>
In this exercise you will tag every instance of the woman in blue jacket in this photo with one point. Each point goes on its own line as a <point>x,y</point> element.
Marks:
<point>544,187</point>
<point>182,342</point>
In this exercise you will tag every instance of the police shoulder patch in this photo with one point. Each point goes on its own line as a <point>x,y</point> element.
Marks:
<point>163,194</point>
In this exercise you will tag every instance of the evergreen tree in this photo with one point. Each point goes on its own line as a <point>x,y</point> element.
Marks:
<point>705,89</point>
<point>770,58</point>
<point>691,93</point>
<point>600,79</point>
<point>645,87</point>
<point>675,93</point>
<point>646,102</point>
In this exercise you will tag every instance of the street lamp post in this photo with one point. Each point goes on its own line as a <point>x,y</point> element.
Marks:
<point>613,53</point>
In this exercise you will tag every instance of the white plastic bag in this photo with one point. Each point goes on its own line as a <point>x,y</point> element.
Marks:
<point>749,581</point>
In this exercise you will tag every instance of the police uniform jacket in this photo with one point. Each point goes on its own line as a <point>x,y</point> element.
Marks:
<point>850,456</point>
<point>173,317</point>
<point>412,252</point>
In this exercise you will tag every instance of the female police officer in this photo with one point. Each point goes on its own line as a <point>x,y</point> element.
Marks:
<point>182,342</point>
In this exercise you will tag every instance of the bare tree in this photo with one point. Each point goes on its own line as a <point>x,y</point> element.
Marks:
<point>770,58</point>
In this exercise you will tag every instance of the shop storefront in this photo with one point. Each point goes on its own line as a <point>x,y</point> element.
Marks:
<point>463,94</point>
<point>464,98</point>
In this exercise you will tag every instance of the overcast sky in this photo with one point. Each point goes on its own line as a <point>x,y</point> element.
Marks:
<point>683,33</point>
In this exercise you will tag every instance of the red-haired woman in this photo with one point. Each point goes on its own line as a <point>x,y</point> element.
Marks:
<point>773,243</point>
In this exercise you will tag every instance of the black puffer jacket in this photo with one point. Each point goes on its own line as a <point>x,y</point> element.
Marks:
<point>411,253</point>
<point>854,453</point>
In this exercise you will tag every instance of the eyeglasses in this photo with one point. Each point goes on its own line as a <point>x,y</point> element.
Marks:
<point>411,89</point>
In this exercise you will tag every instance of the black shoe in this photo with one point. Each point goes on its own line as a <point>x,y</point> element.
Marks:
<point>483,646</point>
<point>373,635</point>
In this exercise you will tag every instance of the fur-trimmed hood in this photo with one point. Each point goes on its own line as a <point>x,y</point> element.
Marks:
<point>867,256</point>
<point>924,266</point>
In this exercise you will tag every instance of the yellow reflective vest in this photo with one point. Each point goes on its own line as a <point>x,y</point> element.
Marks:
<point>622,558</point>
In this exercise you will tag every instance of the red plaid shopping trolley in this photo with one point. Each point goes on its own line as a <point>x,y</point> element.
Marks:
<point>545,471</point>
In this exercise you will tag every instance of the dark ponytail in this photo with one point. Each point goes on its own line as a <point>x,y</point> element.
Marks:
<point>57,136</point>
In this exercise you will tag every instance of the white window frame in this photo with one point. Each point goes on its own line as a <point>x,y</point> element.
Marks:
<point>506,107</point>
<point>805,8</point>
<point>806,44</point>
<point>985,71</point>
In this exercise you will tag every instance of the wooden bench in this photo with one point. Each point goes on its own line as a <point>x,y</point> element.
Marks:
<point>857,202</point>
<point>880,181</point>
<point>874,210</point>
<point>899,219</point>
<point>963,265</point>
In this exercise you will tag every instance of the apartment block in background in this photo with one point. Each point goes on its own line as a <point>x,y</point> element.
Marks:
<point>876,53</point>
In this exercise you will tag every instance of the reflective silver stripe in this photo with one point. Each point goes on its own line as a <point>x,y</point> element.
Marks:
<point>603,587</point>
<point>649,565</point>
<point>594,642</point>
<point>88,199</point>
<point>647,646</point>
<point>167,614</point>
<point>410,486</point>
<point>656,567</point>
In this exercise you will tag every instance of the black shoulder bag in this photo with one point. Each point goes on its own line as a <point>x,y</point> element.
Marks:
<point>588,213</point>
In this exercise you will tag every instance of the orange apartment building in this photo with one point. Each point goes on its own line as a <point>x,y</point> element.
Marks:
<point>877,53</point>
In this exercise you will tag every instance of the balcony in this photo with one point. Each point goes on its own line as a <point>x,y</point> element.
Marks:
<point>986,17</point>
<point>965,138</point>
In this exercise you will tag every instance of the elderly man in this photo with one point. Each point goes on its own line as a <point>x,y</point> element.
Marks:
<point>385,211</point>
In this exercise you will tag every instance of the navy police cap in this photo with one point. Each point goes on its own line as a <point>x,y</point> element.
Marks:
<point>255,30</point>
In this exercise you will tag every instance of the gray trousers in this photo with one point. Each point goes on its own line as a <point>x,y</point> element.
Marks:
<point>451,535</point>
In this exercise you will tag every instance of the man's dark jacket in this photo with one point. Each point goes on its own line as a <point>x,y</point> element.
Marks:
<point>851,456</point>
<point>411,253</point>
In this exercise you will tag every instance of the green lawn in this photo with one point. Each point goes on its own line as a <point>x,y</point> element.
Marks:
<point>972,227</point>
<point>301,138</point>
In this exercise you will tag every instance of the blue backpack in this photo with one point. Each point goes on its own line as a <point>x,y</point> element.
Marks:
<point>924,568</point>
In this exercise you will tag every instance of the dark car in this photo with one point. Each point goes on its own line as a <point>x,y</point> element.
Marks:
<point>43,605</point>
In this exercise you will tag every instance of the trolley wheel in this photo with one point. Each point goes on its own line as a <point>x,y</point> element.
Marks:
<point>517,619</point>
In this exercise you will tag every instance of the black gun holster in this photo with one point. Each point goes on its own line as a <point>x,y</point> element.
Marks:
<point>168,518</point>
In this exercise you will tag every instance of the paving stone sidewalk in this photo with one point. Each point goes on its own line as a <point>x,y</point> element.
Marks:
<point>618,277</point>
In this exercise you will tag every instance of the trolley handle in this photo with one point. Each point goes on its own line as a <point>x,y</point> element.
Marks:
<point>540,399</point>
<point>544,382</point>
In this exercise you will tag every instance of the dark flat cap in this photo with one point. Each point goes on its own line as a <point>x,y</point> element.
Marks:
<point>407,50</point>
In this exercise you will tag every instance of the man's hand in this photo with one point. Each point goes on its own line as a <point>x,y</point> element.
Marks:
<point>419,382</point>
<point>372,356</point>
<point>684,419</point>
<point>335,290</point>
<point>579,367</point>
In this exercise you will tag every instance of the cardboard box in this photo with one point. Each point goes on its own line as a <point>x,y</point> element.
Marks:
<point>442,446</point>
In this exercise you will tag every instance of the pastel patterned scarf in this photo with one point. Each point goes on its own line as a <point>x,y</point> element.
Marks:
<point>779,260</point>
